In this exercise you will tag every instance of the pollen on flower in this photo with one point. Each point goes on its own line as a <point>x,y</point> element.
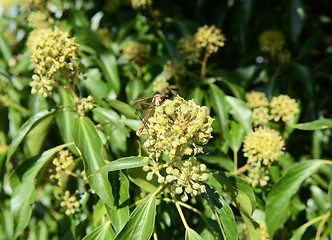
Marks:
<point>283,107</point>
<point>263,145</point>
<point>256,99</point>
<point>136,52</point>
<point>210,37</point>
<point>260,115</point>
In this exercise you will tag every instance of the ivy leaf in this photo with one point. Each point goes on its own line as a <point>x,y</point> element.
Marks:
<point>277,202</point>
<point>192,235</point>
<point>122,163</point>
<point>141,221</point>
<point>314,125</point>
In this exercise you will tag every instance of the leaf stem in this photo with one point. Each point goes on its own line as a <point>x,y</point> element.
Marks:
<point>178,207</point>
<point>203,67</point>
<point>321,224</point>
<point>69,86</point>
<point>235,159</point>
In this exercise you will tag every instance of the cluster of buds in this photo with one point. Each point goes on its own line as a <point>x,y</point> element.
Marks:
<point>51,52</point>
<point>210,38</point>
<point>62,164</point>
<point>281,108</point>
<point>137,4</point>
<point>31,4</point>
<point>171,69</point>
<point>258,175</point>
<point>136,53</point>
<point>39,19</point>
<point>70,203</point>
<point>83,105</point>
<point>178,128</point>
<point>263,146</point>
<point>189,48</point>
<point>271,41</point>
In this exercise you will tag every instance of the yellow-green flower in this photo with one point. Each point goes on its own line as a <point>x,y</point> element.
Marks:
<point>62,163</point>
<point>283,107</point>
<point>256,99</point>
<point>136,4</point>
<point>70,203</point>
<point>271,41</point>
<point>52,51</point>
<point>189,48</point>
<point>210,38</point>
<point>176,125</point>
<point>258,176</point>
<point>260,115</point>
<point>136,52</point>
<point>178,128</point>
<point>83,105</point>
<point>39,19</point>
<point>263,145</point>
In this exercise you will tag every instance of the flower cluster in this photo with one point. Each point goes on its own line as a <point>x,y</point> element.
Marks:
<point>83,105</point>
<point>70,203</point>
<point>284,108</point>
<point>258,176</point>
<point>189,48</point>
<point>35,36</point>
<point>39,19</point>
<point>210,38</point>
<point>31,4</point>
<point>136,52</point>
<point>281,107</point>
<point>137,4</point>
<point>51,52</point>
<point>62,164</point>
<point>263,145</point>
<point>271,41</point>
<point>171,69</point>
<point>178,128</point>
<point>256,99</point>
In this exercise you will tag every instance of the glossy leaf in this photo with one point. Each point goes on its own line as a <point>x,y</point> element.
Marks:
<point>241,113</point>
<point>22,182</point>
<point>218,158</point>
<point>278,199</point>
<point>224,213</point>
<point>122,163</point>
<point>88,142</point>
<point>108,64</point>
<point>236,136</point>
<point>239,190</point>
<point>104,231</point>
<point>192,235</point>
<point>122,108</point>
<point>25,128</point>
<point>314,125</point>
<point>141,221</point>
<point>138,176</point>
<point>296,16</point>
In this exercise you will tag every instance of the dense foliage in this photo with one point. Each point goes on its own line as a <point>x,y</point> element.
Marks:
<point>145,119</point>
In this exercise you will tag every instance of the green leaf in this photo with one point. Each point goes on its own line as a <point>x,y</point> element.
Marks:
<point>296,18</point>
<point>4,48</point>
<point>88,142</point>
<point>330,201</point>
<point>224,212</point>
<point>218,158</point>
<point>141,221</point>
<point>220,106</point>
<point>122,107</point>
<point>108,65</point>
<point>34,140</point>
<point>22,182</point>
<point>252,227</point>
<point>65,119</point>
<point>104,231</point>
<point>192,235</point>
<point>241,113</point>
<point>122,163</point>
<point>236,136</point>
<point>25,128</point>
<point>239,190</point>
<point>278,199</point>
<point>138,176</point>
<point>94,83</point>
<point>314,125</point>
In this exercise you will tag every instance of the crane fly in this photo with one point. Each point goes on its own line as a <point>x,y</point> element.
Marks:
<point>156,99</point>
